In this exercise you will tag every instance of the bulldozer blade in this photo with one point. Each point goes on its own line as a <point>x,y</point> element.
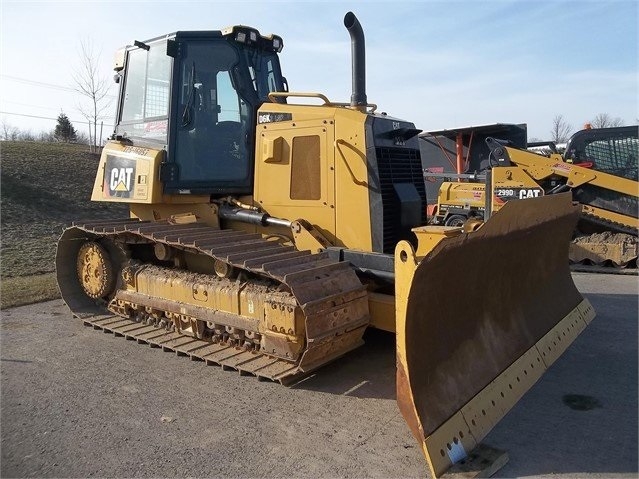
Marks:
<point>479,320</point>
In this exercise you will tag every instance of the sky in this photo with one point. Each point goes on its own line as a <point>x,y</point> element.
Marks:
<point>439,64</point>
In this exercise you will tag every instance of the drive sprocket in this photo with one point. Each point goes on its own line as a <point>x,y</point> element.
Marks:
<point>95,270</point>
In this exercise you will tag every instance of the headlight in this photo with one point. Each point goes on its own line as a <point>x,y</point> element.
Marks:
<point>277,44</point>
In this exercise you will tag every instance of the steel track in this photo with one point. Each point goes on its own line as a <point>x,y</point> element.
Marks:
<point>328,292</point>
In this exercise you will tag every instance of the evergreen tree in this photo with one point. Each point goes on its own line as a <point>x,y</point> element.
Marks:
<point>64,130</point>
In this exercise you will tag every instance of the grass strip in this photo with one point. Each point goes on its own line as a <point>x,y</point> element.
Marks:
<point>23,290</point>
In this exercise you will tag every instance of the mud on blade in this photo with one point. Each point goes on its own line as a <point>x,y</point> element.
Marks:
<point>479,320</point>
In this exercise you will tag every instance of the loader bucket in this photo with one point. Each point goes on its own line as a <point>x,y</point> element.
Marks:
<point>479,320</point>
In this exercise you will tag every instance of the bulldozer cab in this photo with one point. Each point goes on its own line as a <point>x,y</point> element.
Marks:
<point>195,95</point>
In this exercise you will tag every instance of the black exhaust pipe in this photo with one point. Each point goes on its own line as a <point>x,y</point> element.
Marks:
<point>358,54</point>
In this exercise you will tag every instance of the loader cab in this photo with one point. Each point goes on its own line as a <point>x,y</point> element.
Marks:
<point>611,150</point>
<point>195,95</point>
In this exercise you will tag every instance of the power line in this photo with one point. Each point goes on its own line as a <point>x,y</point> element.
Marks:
<point>38,83</point>
<point>44,84</point>
<point>48,118</point>
<point>40,107</point>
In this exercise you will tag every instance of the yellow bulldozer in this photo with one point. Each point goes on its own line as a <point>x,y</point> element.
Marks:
<point>266,234</point>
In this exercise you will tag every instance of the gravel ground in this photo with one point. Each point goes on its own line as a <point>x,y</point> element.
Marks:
<point>77,403</point>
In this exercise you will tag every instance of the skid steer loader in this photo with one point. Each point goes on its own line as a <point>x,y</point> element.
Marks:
<point>266,235</point>
<point>599,168</point>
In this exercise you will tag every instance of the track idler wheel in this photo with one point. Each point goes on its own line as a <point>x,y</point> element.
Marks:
<point>95,270</point>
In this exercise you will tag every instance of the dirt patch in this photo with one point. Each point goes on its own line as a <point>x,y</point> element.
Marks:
<point>608,237</point>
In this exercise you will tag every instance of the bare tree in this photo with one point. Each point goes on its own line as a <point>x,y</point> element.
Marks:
<point>604,120</point>
<point>26,135</point>
<point>9,132</point>
<point>560,129</point>
<point>83,139</point>
<point>46,137</point>
<point>94,86</point>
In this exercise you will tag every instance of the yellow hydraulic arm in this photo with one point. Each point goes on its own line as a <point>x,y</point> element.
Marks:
<point>541,167</point>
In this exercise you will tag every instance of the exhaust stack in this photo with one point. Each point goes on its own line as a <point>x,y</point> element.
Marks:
<point>358,55</point>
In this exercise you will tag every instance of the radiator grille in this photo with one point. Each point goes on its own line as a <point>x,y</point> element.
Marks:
<point>398,165</point>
